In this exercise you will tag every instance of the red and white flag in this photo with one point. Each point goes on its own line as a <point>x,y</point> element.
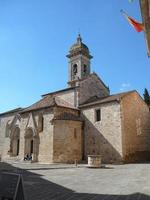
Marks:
<point>136,25</point>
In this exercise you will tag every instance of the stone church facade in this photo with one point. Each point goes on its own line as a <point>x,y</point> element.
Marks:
<point>81,120</point>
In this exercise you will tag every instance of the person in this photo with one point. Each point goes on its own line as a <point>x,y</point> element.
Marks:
<point>26,157</point>
<point>30,157</point>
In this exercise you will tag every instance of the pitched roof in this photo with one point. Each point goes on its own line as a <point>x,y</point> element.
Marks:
<point>59,91</point>
<point>96,100</point>
<point>89,76</point>
<point>12,111</point>
<point>48,101</point>
<point>67,116</point>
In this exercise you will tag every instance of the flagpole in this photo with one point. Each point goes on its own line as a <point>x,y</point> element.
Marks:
<point>123,12</point>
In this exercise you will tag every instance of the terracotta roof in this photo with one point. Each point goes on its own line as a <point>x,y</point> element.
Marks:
<point>12,111</point>
<point>59,91</point>
<point>67,116</point>
<point>88,76</point>
<point>95,100</point>
<point>49,101</point>
<point>94,74</point>
<point>100,80</point>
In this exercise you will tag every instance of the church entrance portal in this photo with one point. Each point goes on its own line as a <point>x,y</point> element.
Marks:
<point>31,144</point>
<point>15,141</point>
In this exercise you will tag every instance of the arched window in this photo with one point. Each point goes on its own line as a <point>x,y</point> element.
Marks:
<point>40,122</point>
<point>97,115</point>
<point>7,130</point>
<point>14,141</point>
<point>75,133</point>
<point>75,69</point>
<point>85,69</point>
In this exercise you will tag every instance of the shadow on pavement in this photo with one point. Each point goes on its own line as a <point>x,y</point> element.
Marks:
<point>37,188</point>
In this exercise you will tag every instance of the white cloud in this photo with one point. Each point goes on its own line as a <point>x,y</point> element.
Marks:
<point>125,86</point>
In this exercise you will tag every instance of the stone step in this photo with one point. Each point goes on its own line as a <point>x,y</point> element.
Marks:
<point>11,159</point>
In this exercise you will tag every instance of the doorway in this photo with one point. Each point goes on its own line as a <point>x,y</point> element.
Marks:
<point>31,144</point>
<point>15,141</point>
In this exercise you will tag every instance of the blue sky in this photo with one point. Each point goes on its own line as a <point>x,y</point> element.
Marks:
<point>35,36</point>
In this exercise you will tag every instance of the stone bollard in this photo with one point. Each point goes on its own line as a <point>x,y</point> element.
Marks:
<point>94,161</point>
<point>76,163</point>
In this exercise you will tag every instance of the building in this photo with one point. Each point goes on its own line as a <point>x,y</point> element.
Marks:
<point>80,120</point>
<point>145,11</point>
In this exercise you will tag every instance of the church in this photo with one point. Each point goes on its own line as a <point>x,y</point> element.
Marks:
<point>80,120</point>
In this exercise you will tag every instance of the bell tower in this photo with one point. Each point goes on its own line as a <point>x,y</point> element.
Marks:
<point>79,62</point>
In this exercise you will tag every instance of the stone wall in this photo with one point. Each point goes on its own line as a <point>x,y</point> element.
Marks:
<point>5,141</point>
<point>60,110</point>
<point>68,138</point>
<point>67,141</point>
<point>68,96</point>
<point>91,86</point>
<point>49,145</point>
<point>103,137</point>
<point>136,128</point>
<point>43,139</point>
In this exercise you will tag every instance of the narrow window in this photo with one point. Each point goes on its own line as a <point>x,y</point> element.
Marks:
<point>7,130</point>
<point>75,133</point>
<point>138,126</point>
<point>75,69</point>
<point>85,69</point>
<point>40,123</point>
<point>97,115</point>
<point>31,147</point>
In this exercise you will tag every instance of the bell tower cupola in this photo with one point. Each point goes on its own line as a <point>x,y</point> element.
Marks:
<point>79,61</point>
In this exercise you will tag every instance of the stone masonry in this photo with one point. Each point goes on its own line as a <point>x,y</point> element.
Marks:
<point>84,119</point>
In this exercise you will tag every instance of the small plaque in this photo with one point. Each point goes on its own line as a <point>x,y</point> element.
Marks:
<point>11,187</point>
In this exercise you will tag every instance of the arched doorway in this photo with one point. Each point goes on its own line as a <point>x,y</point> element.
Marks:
<point>31,144</point>
<point>15,141</point>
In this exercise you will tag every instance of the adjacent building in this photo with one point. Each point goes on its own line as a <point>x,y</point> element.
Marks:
<point>145,11</point>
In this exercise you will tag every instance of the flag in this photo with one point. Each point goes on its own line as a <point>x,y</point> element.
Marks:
<point>136,25</point>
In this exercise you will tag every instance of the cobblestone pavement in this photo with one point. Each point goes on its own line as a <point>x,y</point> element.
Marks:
<point>67,182</point>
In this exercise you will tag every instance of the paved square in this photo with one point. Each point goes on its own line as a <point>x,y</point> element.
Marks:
<point>66,182</point>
